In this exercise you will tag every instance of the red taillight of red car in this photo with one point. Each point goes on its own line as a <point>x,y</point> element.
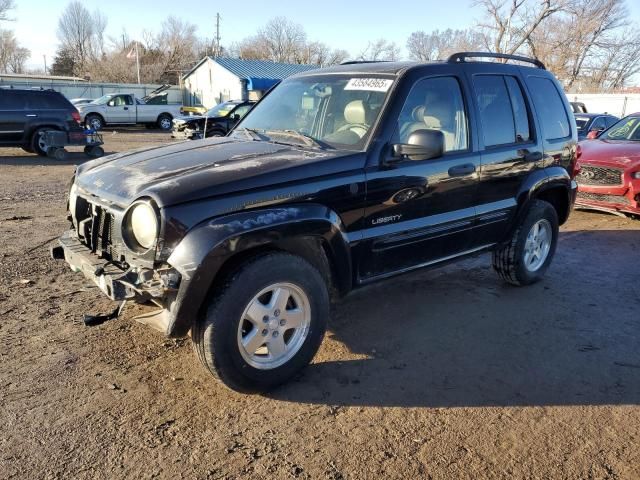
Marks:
<point>76,116</point>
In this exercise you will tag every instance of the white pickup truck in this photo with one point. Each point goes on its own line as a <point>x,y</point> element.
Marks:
<point>126,109</point>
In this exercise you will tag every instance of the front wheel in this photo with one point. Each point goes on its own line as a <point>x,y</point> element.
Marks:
<point>528,254</point>
<point>264,324</point>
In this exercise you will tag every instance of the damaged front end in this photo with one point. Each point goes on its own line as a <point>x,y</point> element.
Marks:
<point>102,246</point>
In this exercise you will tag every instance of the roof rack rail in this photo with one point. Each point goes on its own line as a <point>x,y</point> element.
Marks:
<point>462,56</point>
<point>355,62</point>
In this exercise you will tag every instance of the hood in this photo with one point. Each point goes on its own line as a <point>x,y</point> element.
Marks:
<point>613,153</point>
<point>190,171</point>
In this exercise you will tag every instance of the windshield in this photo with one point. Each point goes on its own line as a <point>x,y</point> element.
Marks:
<point>626,129</point>
<point>221,110</point>
<point>335,111</point>
<point>581,123</point>
<point>102,100</point>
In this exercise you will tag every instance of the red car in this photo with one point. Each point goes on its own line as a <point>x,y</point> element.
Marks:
<point>609,169</point>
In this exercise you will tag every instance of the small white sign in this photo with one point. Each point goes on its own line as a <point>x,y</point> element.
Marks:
<point>369,84</point>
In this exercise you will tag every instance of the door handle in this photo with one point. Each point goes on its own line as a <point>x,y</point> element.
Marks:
<point>528,156</point>
<point>126,108</point>
<point>31,115</point>
<point>462,170</point>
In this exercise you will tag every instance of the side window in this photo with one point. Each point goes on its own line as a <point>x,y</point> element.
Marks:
<point>437,104</point>
<point>520,112</point>
<point>12,100</point>
<point>550,108</point>
<point>503,111</point>
<point>598,124</point>
<point>242,111</point>
<point>128,100</point>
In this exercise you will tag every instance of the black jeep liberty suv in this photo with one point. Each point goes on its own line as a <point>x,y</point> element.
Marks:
<point>337,178</point>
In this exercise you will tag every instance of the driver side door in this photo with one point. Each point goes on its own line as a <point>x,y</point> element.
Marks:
<point>119,109</point>
<point>420,212</point>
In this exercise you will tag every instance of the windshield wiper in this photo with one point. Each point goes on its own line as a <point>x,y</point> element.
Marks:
<point>306,138</point>
<point>251,133</point>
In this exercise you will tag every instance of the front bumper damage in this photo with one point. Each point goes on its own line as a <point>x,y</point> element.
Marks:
<point>186,134</point>
<point>141,285</point>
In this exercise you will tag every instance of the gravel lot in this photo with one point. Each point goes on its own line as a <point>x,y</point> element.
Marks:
<point>441,374</point>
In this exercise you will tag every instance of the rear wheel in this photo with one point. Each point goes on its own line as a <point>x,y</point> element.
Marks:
<point>527,256</point>
<point>94,121</point>
<point>264,324</point>
<point>37,142</point>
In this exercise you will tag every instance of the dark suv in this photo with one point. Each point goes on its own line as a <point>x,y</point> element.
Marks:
<point>337,178</point>
<point>218,121</point>
<point>25,114</point>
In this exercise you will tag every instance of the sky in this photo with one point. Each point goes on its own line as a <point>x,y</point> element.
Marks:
<point>347,24</point>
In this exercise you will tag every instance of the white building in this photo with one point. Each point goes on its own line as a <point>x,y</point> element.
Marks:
<point>215,80</point>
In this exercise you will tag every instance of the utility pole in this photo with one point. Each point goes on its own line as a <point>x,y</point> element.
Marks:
<point>45,63</point>
<point>216,52</point>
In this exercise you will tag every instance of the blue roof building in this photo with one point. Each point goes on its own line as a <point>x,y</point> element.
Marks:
<point>215,80</point>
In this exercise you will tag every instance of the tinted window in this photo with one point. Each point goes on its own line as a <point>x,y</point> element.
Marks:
<point>496,114</point>
<point>550,108</point>
<point>10,100</point>
<point>242,111</point>
<point>610,121</point>
<point>598,124</point>
<point>46,101</point>
<point>520,113</point>
<point>435,103</point>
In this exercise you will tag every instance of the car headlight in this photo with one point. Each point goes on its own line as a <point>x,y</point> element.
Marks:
<point>635,175</point>
<point>73,197</point>
<point>143,224</point>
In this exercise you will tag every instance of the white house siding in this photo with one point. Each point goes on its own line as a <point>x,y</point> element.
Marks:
<point>618,104</point>
<point>210,84</point>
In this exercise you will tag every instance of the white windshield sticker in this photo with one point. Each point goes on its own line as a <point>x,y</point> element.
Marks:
<point>369,84</point>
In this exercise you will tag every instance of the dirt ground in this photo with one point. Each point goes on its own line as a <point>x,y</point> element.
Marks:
<point>440,374</point>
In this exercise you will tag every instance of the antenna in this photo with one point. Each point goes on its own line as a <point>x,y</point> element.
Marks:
<point>216,52</point>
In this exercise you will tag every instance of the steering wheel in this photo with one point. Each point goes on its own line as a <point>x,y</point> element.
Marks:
<point>351,126</point>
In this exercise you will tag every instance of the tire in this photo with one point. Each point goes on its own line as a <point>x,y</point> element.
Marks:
<point>60,154</point>
<point>164,122</point>
<point>94,152</point>
<point>514,261</point>
<point>37,143</point>
<point>27,149</point>
<point>94,121</point>
<point>218,338</point>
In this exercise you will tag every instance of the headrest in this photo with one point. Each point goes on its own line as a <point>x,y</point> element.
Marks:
<point>355,112</point>
<point>418,113</point>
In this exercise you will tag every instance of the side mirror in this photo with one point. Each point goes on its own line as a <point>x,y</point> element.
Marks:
<point>593,134</point>
<point>422,144</point>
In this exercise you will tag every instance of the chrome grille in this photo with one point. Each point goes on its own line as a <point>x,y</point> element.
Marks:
<point>592,175</point>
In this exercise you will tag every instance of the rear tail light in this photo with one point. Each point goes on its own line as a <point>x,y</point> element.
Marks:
<point>76,116</point>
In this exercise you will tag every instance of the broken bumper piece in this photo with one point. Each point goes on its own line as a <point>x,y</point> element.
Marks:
<point>141,286</point>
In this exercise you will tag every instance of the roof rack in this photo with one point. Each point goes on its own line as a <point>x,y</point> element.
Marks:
<point>354,62</point>
<point>462,57</point>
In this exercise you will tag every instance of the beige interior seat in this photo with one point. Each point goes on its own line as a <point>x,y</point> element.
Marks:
<point>356,115</point>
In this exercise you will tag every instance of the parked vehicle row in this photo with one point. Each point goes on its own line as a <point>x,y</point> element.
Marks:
<point>337,178</point>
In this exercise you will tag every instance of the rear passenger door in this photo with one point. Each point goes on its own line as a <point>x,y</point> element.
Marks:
<point>12,116</point>
<point>510,148</point>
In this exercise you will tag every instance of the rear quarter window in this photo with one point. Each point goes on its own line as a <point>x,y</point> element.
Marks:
<point>47,101</point>
<point>550,108</point>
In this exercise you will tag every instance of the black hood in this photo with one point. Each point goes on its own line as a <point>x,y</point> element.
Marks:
<point>194,170</point>
<point>199,118</point>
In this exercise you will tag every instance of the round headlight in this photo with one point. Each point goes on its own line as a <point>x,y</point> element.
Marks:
<point>73,196</point>
<point>144,224</point>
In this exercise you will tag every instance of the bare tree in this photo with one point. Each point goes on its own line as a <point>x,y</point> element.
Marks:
<point>380,50</point>
<point>81,35</point>
<point>510,23</point>
<point>425,47</point>
<point>12,56</point>
<point>5,6</point>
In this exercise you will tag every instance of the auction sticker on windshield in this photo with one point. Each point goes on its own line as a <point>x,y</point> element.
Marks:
<point>369,84</point>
